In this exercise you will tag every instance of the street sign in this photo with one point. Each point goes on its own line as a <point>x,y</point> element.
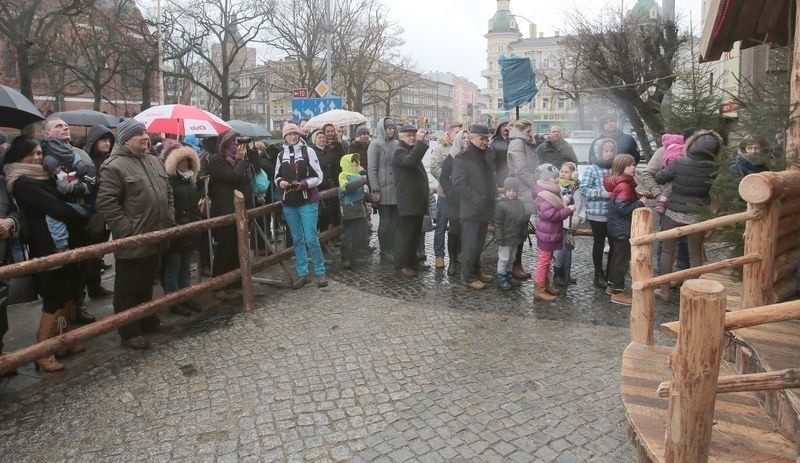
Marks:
<point>321,88</point>
<point>306,108</point>
<point>300,93</point>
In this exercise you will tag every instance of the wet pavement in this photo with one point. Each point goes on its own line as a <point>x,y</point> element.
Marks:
<point>375,367</point>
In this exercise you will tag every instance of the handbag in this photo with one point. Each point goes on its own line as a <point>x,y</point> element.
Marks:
<point>259,183</point>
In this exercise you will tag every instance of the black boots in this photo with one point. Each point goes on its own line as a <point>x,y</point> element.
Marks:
<point>600,281</point>
<point>558,278</point>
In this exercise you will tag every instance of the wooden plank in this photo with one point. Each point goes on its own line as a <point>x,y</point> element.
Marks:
<point>742,432</point>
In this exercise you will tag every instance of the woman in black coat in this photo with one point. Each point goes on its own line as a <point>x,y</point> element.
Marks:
<point>411,184</point>
<point>229,169</point>
<point>453,201</point>
<point>691,177</point>
<point>182,163</point>
<point>35,192</point>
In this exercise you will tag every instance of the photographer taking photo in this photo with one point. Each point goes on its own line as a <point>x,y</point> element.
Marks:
<point>229,169</point>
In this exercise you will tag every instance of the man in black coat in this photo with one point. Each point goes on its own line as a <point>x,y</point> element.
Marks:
<point>625,143</point>
<point>411,184</point>
<point>474,181</point>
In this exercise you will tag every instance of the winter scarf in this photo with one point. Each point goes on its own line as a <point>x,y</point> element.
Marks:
<point>551,193</point>
<point>16,170</point>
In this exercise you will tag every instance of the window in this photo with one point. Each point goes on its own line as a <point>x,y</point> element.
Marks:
<point>500,83</point>
<point>560,103</point>
<point>500,49</point>
<point>545,103</point>
<point>499,103</point>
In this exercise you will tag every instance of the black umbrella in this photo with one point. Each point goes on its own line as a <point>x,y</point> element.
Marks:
<point>16,111</point>
<point>87,118</point>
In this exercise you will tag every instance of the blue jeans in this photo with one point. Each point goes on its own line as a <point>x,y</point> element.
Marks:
<point>441,227</point>
<point>177,274</point>
<point>302,222</point>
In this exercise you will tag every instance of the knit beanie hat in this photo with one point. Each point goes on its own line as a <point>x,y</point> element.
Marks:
<point>128,128</point>
<point>388,123</point>
<point>546,172</point>
<point>361,130</point>
<point>511,183</point>
<point>290,128</point>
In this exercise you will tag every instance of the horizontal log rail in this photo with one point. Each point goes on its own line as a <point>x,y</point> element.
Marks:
<point>706,225</point>
<point>39,264</point>
<point>745,318</point>
<point>12,360</point>
<point>696,271</point>
<point>769,381</point>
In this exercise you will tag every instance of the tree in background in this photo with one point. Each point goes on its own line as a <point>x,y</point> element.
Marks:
<point>630,60</point>
<point>208,46</point>
<point>31,27</point>
<point>364,47</point>
<point>694,100</point>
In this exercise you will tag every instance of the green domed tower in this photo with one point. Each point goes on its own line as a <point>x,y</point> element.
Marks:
<point>503,31</point>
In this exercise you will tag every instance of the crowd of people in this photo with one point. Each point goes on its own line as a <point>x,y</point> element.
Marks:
<point>506,183</point>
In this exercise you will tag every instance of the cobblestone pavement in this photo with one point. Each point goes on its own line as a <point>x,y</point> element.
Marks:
<point>424,371</point>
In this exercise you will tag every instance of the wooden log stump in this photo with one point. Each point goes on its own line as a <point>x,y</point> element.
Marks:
<point>643,305</point>
<point>759,238</point>
<point>695,368</point>
<point>245,263</point>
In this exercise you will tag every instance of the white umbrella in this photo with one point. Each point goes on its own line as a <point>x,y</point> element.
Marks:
<point>337,117</point>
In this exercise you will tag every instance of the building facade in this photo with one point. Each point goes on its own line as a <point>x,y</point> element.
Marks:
<point>548,107</point>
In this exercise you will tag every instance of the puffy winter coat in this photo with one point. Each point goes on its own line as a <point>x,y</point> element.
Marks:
<point>185,195</point>
<point>692,175</point>
<point>621,205</point>
<point>510,221</point>
<point>379,166</point>
<point>522,164</point>
<point>550,217</point>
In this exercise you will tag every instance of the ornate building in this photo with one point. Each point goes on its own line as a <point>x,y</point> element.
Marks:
<point>504,39</point>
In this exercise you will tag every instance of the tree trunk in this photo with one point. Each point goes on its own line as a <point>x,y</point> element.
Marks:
<point>25,72</point>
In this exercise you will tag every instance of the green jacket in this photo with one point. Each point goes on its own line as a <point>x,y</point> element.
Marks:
<point>135,197</point>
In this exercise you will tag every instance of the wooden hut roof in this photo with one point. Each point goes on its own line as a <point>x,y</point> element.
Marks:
<point>754,22</point>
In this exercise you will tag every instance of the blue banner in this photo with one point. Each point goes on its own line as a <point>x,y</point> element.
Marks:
<point>306,108</point>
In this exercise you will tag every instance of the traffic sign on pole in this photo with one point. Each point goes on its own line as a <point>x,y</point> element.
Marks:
<point>300,93</point>
<point>305,108</point>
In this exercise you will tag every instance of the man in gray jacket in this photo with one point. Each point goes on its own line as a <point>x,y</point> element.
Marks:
<point>135,197</point>
<point>381,183</point>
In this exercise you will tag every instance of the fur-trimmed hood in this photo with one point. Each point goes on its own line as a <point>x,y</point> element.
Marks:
<point>179,154</point>
<point>704,145</point>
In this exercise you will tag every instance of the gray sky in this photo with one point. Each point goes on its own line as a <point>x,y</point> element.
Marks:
<point>448,35</point>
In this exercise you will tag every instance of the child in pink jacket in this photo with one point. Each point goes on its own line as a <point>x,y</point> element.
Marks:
<point>673,149</point>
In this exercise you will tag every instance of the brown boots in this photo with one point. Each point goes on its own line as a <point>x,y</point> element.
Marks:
<point>540,292</point>
<point>47,329</point>
<point>50,326</point>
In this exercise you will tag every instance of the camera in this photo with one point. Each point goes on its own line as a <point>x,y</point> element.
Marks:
<point>243,140</point>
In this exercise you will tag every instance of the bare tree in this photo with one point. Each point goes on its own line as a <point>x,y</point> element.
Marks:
<point>94,46</point>
<point>391,79</point>
<point>296,28</point>
<point>365,42</point>
<point>630,61</point>
<point>209,46</point>
<point>30,26</point>
<point>568,82</point>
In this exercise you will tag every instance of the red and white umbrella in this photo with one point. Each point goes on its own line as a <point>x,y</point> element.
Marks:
<point>178,119</point>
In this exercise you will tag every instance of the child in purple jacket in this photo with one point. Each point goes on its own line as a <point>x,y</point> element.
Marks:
<point>552,210</point>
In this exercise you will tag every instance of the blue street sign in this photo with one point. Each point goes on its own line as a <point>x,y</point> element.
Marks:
<point>306,108</point>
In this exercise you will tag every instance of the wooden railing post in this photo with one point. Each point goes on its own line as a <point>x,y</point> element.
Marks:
<point>642,269</point>
<point>243,235</point>
<point>695,369</point>
<point>760,239</point>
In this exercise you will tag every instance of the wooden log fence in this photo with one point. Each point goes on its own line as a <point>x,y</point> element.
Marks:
<point>711,224</point>
<point>756,316</point>
<point>768,381</point>
<point>695,368</point>
<point>12,360</point>
<point>643,304</point>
